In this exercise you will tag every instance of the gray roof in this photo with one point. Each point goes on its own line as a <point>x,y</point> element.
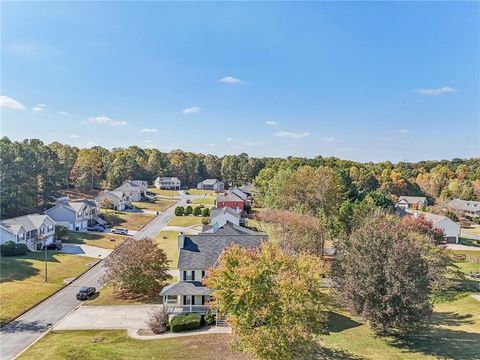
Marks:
<point>186,288</point>
<point>464,205</point>
<point>168,179</point>
<point>433,218</point>
<point>209,181</point>
<point>28,222</point>
<point>216,212</point>
<point>202,251</point>
<point>229,197</point>
<point>228,229</point>
<point>413,199</point>
<point>240,193</point>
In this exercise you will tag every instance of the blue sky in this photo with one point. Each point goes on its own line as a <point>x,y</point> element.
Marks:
<point>363,81</point>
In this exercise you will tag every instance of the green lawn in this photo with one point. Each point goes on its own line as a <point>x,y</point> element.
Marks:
<point>102,240</point>
<point>201,192</point>
<point>473,230</point>
<point>129,220</point>
<point>163,192</point>
<point>154,205</point>
<point>208,201</point>
<point>168,241</point>
<point>22,279</point>
<point>110,345</point>
<point>185,221</point>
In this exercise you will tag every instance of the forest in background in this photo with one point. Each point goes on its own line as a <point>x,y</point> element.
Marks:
<point>33,174</point>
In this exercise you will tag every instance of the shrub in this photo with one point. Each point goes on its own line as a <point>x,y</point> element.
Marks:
<point>197,211</point>
<point>205,212</point>
<point>185,322</point>
<point>12,249</point>
<point>60,232</point>
<point>209,317</point>
<point>205,221</point>
<point>179,211</point>
<point>158,321</point>
<point>188,210</point>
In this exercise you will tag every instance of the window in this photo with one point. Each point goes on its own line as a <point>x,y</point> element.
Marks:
<point>172,299</point>
<point>203,274</point>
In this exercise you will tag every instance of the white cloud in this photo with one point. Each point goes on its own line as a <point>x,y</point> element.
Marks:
<point>149,130</point>
<point>230,80</point>
<point>74,136</point>
<point>436,91</point>
<point>292,135</point>
<point>64,113</point>
<point>272,122</point>
<point>105,120</point>
<point>403,131</point>
<point>329,139</point>
<point>9,103</point>
<point>191,110</point>
<point>229,139</point>
<point>211,145</point>
<point>38,108</point>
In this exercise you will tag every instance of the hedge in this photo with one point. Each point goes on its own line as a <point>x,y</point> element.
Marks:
<point>12,249</point>
<point>185,322</point>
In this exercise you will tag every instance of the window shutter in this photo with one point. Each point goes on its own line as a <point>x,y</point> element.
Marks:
<point>193,275</point>
<point>203,274</point>
<point>184,275</point>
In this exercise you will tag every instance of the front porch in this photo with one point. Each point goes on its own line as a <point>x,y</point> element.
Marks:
<point>186,296</point>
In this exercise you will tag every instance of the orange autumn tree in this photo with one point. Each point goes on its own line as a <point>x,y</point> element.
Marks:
<point>273,301</point>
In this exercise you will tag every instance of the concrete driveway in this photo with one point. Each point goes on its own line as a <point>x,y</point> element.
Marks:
<point>86,250</point>
<point>107,317</point>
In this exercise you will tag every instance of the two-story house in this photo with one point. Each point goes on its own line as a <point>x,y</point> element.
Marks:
<point>412,202</point>
<point>197,254</point>
<point>211,184</point>
<point>231,200</point>
<point>134,189</point>
<point>34,230</point>
<point>219,217</point>
<point>465,207</point>
<point>168,183</point>
<point>119,199</point>
<point>75,215</point>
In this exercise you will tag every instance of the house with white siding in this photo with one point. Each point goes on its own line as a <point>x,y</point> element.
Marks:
<point>168,183</point>
<point>33,230</point>
<point>75,215</point>
<point>119,199</point>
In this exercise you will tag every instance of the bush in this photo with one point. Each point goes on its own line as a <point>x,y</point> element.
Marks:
<point>158,321</point>
<point>209,317</point>
<point>60,232</point>
<point>12,249</point>
<point>197,211</point>
<point>205,221</point>
<point>188,210</point>
<point>180,323</point>
<point>179,211</point>
<point>205,212</point>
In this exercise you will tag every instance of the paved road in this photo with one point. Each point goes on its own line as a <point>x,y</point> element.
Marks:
<point>23,331</point>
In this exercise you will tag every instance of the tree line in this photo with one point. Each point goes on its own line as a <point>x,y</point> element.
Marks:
<point>33,173</point>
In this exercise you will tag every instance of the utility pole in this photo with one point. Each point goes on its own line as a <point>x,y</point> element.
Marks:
<point>46,270</point>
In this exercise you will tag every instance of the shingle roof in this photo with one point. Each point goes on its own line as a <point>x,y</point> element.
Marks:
<point>464,205</point>
<point>202,251</point>
<point>168,179</point>
<point>228,197</point>
<point>28,222</point>
<point>186,288</point>
<point>240,193</point>
<point>209,181</point>
<point>216,212</point>
<point>413,199</point>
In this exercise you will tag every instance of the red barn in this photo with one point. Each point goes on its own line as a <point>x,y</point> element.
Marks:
<point>230,200</point>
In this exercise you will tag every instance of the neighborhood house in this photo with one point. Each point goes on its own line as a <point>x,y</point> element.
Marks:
<point>75,215</point>
<point>120,201</point>
<point>219,217</point>
<point>198,253</point>
<point>412,202</point>
<point>34,230</point>
<point>451,229</point>
<point>230,200</point>
<point>167,183</point>
<point>134,189</point>
<point>211,184</point>
<point>467,208</point>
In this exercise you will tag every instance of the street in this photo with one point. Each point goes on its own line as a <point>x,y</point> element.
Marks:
<point>29,327</point>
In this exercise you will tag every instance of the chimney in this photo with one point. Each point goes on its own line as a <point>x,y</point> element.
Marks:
<point>181,240</point>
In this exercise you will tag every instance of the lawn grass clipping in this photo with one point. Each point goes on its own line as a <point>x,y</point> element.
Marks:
<point>22,279</point>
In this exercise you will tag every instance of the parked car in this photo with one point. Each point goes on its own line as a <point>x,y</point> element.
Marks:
<point>98,228</point>
<point>55,246</point>
<point>120,231</point>
<point>85,292</point>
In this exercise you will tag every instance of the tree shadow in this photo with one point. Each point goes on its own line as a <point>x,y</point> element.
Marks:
<point>16,268</point>
<point>338,322</point>
<point>19,326</point>
<point>450,318</point>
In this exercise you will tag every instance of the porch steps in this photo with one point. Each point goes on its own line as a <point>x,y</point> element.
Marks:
<point>221,321</point>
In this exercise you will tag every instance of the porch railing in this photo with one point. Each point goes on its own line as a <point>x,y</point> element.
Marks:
<point>179,309</point>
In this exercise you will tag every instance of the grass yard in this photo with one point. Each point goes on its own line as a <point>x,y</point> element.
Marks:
<point>185,221</point>
<point>102,240</point>
<point>154,205</point>
<point>118,345</point>
<point>208,201</point>
<point>472,230</point>
<point>201,192</point>
<point>129,220</point>
<point>163,192</point>
<point>168,241</point>
<point>22,279</point>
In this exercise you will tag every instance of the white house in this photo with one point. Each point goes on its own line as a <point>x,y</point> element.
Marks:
<point>412,202</point>
<point>219,217</point>
<point>450,228</point>
<point>134,189</point>
<point>75,215</point>
<point>34,230</point>
<point>211,184</point>
<point>197,254</point>
<point>466,207</point>
<point>119,199</point>
<point>168,183</point>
